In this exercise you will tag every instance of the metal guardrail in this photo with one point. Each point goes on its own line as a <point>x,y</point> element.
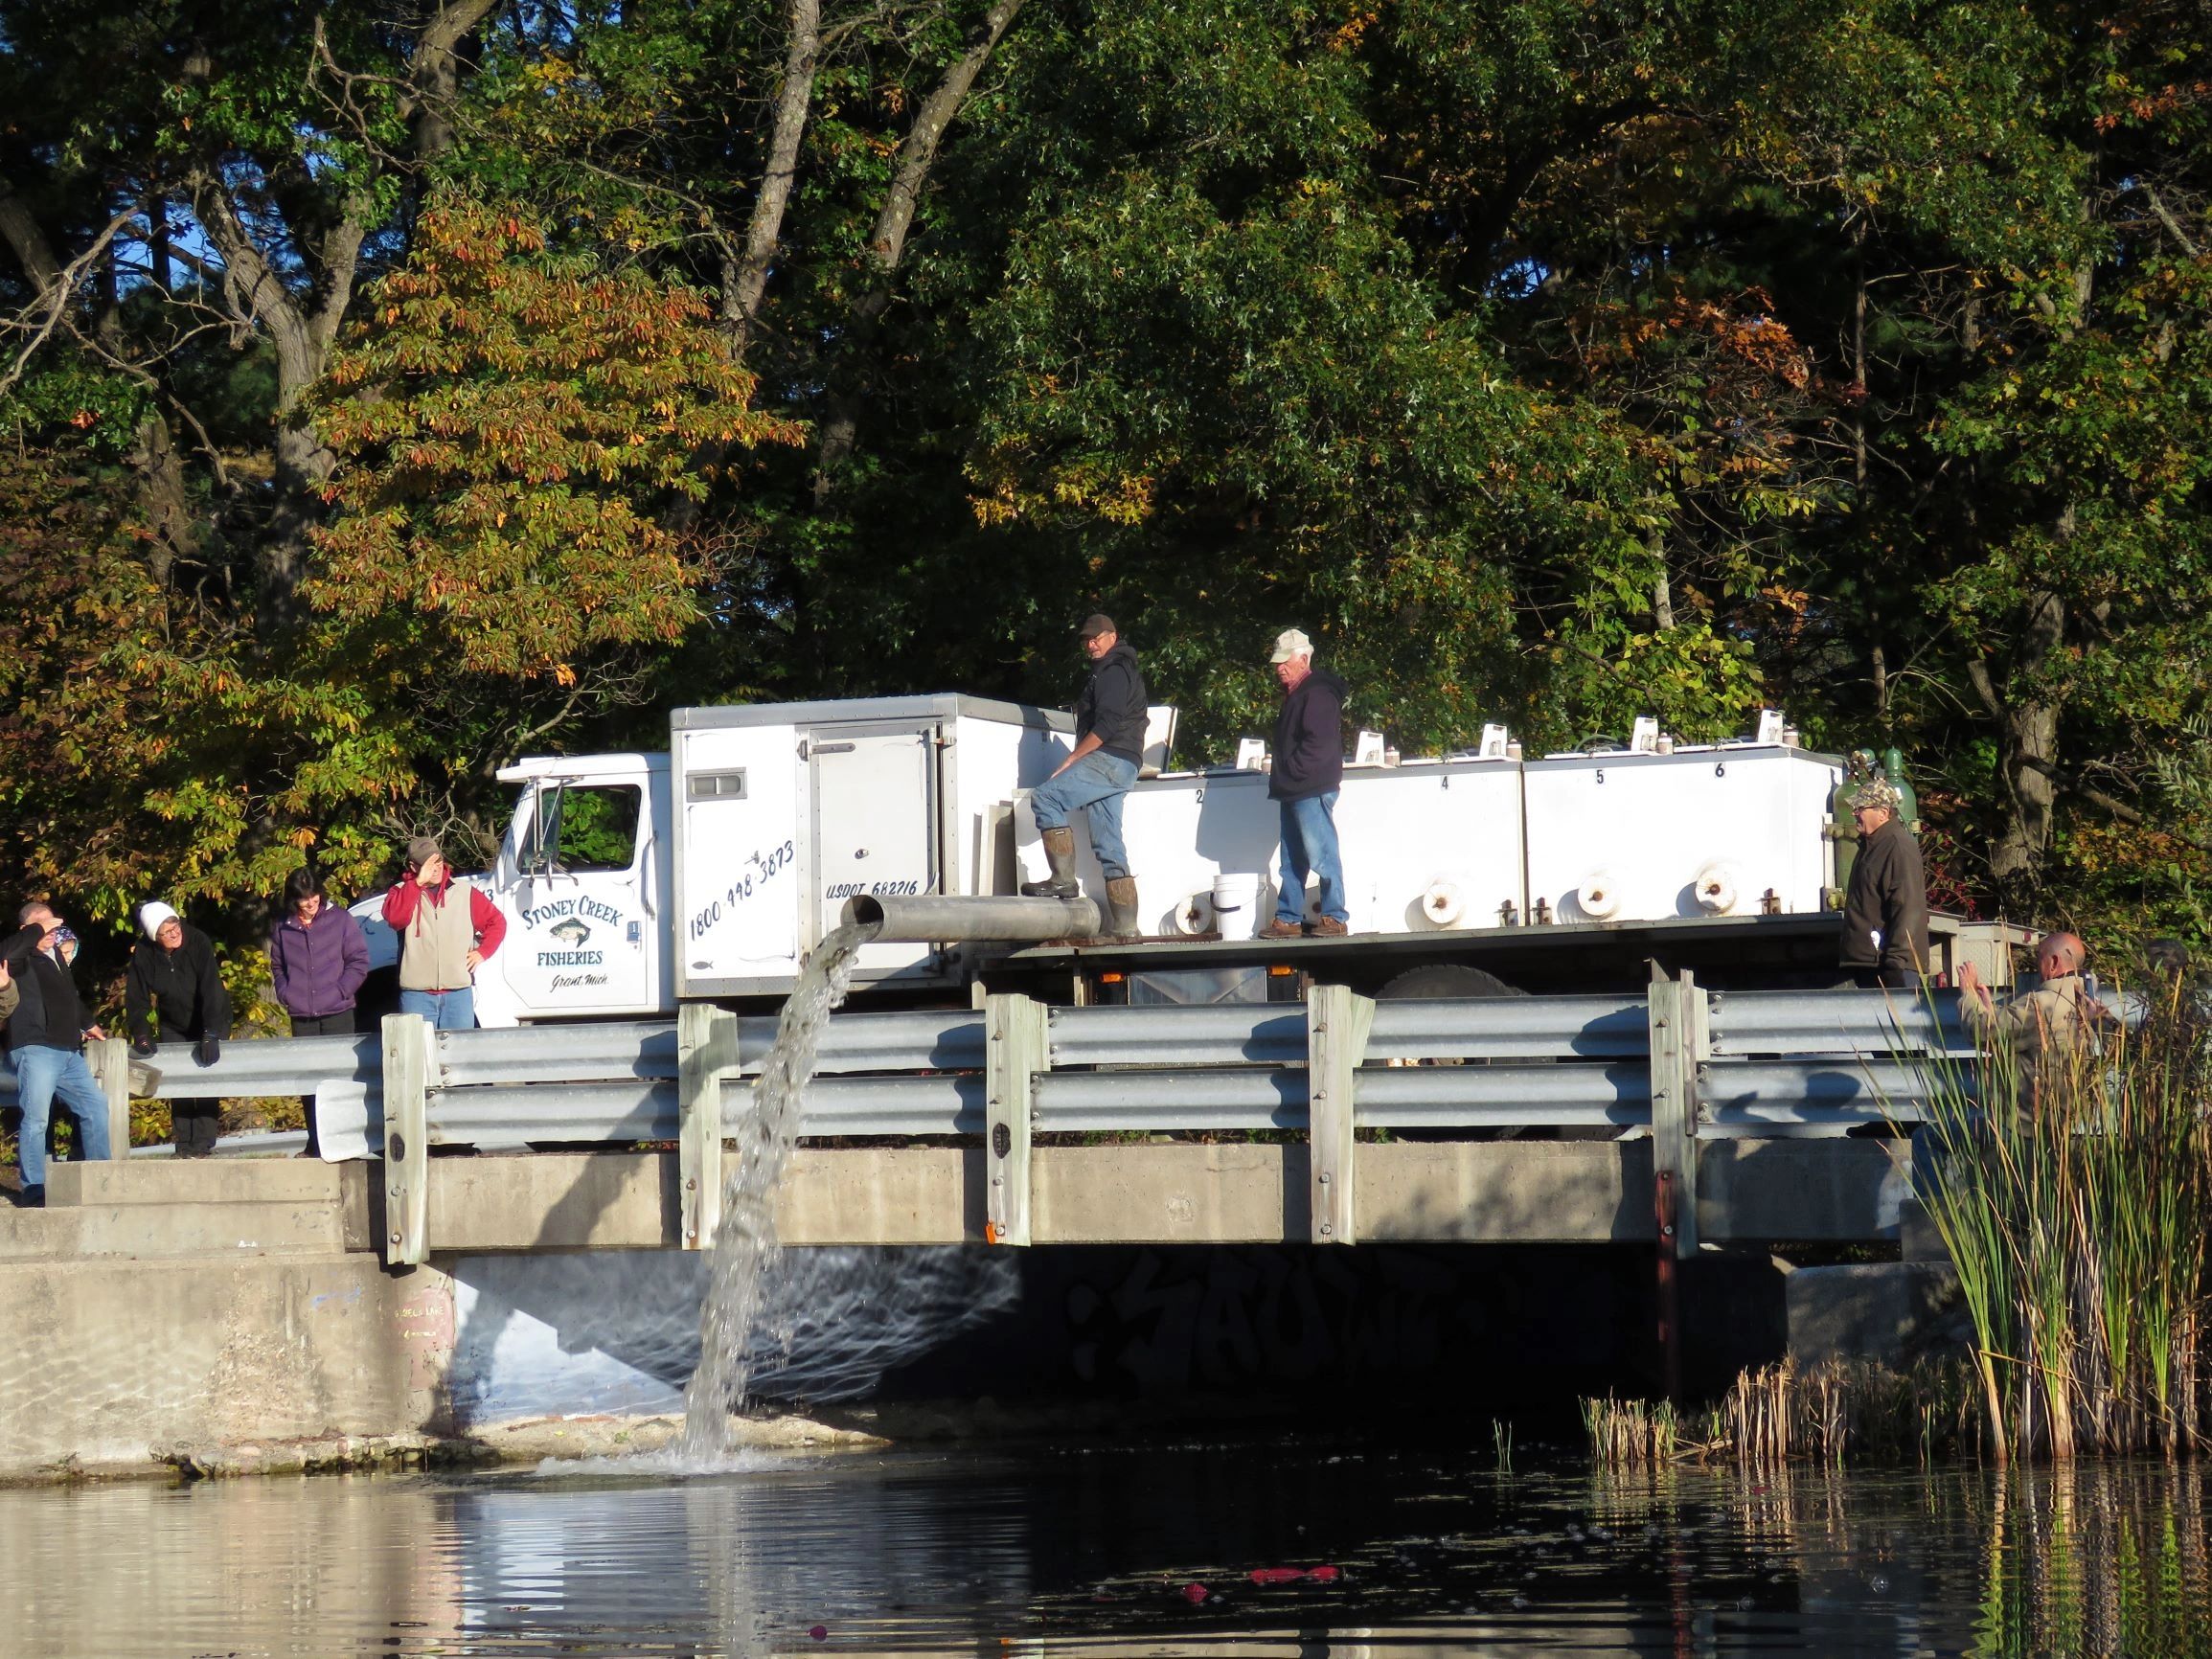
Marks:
<point>1679,1065</point>
<point>1795,1060</point>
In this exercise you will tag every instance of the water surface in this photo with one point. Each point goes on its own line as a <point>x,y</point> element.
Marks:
<point>1120,1552</point>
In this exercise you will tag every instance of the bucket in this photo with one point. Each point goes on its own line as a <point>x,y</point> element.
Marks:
<point>1237,906</point>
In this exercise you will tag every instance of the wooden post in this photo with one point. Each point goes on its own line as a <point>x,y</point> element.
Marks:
<point>706,1056</point>
<point>409,1068</point>
<point>1017,1050</point>
<point>1338,1021</point>
<point>110,1061</point>
<point>1680,1042</point>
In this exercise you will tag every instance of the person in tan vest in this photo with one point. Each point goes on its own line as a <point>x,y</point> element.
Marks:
<point>447,929</point>
<point>2039,1028</point>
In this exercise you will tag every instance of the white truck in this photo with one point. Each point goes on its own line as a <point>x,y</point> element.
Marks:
<point>632,882</point>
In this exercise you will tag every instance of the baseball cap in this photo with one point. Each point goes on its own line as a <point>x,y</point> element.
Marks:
<point>1876,792</point>
<point>1291,643</point>
<point>1096,624</point>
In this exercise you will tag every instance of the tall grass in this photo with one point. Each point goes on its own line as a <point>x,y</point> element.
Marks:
<point>2073,1194</point>
<point>1776,1415</point>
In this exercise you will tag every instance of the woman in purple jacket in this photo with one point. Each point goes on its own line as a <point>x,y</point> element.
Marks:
<point>319,957</point>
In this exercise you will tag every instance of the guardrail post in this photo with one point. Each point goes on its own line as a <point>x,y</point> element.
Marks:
<point>706,1056</point>
<point>408,1067</point>
<point>1338,1022</point>
<point>110,1059</point>
<point>1681,1043</point>
<point>1014,1051</point>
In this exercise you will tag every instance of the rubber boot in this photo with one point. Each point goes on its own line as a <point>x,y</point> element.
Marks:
<point>1059,855</point>
<point>1121,907</point>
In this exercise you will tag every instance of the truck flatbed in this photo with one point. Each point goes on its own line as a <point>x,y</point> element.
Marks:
<point>1785,951</point>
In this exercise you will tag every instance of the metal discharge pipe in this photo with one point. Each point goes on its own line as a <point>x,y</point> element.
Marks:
<point>928,918</point>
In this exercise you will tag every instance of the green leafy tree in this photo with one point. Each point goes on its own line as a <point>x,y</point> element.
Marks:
<point>517,431</point>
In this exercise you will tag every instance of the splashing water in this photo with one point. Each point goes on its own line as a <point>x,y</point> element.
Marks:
<point>746,1241</point>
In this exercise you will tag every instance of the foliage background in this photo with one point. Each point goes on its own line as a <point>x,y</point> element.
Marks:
<point>390,386</point>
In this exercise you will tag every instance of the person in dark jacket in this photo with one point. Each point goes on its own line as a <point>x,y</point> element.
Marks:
<point>319,958</point>
<point>1885,912</point>
<point>1109,744</point>
<point>174,977</point>
<point>46,1036</point>
<point>1303,778</point>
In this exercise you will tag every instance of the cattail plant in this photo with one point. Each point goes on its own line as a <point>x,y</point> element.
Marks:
<point>2073,1191</point>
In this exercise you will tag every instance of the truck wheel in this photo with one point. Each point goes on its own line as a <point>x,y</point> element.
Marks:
<point>1435,981</point>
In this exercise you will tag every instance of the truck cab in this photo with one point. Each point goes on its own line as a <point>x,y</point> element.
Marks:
<point>583,880</point>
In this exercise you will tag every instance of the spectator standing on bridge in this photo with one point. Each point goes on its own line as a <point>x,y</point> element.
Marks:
<point>1305,773</point>
<point>1885,912</point>
<point>319,959</point>
<point>46,1036</point>
<point>1109,744</point>
<point>447,929</point>
<point>2040,1030</point>
<point>174,976</point>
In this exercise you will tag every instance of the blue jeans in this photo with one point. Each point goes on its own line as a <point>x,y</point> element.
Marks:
<point>1310,849</point>
<point>445,1010</point>
<point>44,1075</point>
<point>1097,782</point>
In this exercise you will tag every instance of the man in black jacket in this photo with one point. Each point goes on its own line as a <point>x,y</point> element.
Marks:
<point>1886,912</point>
<point>46,1046</point>
<point>1109,743</point>
<point>1304,774</point>
<point>173,974</point>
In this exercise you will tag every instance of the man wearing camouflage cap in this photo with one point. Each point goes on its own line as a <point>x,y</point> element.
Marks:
<point>1885,912</point>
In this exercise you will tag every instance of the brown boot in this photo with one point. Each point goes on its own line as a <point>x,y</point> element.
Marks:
<point>1327,927</point>
<point>1121,907</point>
<point>1059,855</point>
<point>1278,929</point>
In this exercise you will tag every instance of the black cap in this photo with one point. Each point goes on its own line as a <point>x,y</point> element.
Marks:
<point>1096,624</point>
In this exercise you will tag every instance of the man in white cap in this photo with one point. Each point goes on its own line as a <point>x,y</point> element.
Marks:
<point>1303,776</point>
<point>174,976</point>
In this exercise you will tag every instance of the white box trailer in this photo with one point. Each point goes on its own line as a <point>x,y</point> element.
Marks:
<point>784,811</point>
<point>1413,835</point>
<point>1489,841</point>
<point>632,882</point>
<point>1708,829</point>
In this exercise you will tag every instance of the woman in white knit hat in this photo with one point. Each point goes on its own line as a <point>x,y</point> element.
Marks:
<point>174,977</point>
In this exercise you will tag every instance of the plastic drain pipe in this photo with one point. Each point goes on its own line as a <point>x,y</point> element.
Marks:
<point>929,918</point>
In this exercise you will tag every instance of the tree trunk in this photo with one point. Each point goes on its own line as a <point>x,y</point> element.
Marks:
<point>162,497</point>
<point>887,247</point>
<point>2028,736</point>
<point>435,70</point>
<point>747,278</point>
<point>1662,589</point>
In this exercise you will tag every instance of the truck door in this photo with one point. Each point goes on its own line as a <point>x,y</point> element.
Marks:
<point>873,824</point>
<point>584,938</point>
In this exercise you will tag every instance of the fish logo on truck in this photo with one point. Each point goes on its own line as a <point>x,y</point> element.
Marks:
<point>570,933</point>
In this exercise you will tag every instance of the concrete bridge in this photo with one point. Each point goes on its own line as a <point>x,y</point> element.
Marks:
<point>161,1305</point>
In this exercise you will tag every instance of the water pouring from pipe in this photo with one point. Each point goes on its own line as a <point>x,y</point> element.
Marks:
<point>745,1245</point>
